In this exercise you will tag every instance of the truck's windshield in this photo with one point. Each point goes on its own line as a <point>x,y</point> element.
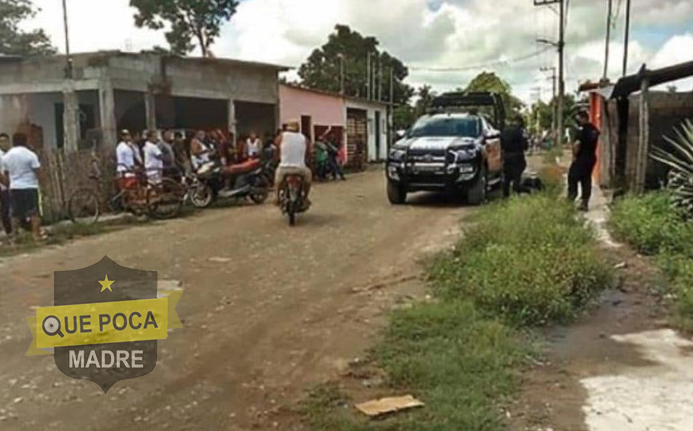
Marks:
<point>468,127</point>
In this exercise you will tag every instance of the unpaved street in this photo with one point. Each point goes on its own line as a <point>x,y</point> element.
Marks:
<point>267,311</point>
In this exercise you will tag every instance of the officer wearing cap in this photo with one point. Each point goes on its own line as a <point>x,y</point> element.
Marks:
<point>584,159</point>
<point>514,142</point>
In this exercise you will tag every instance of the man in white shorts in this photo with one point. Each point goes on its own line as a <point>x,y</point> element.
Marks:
<point>294,151</point>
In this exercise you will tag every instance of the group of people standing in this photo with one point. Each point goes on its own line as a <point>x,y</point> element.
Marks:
<point>173,154</point>
<point>514,142</point>
<point>19,186</point>
<point>327,159</point>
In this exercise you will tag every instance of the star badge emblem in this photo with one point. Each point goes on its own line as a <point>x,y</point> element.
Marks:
<point>106,284</point>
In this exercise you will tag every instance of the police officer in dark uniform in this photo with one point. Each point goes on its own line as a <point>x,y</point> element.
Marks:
<point>584,159</point>
<point>514,142</point>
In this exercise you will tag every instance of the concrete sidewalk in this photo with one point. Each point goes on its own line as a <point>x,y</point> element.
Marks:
<point>598,216</point>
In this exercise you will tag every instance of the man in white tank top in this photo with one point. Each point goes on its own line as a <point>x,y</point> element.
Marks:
<point>253,146</point>
<point>293,150</point>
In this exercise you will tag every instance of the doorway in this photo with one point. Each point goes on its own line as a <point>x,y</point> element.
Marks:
<point>307,126</point>
<point>377,136</point>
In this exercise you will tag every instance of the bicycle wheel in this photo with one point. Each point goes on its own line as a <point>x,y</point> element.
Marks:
<point>83,207</point>
<point>165,199</point>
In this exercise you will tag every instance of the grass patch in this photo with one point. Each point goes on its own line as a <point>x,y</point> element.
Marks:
<point>459,362</point>
<point>655,228</point>
<point>523,262</point>
<point>530,261</point>
<point>552,154</point>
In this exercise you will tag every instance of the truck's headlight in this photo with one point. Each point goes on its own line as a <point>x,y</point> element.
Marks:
<point>393,173</point>
<point>397,155</point>
<point>465,153</point>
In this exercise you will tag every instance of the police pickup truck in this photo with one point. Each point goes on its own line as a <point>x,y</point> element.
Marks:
<point>455,148</point>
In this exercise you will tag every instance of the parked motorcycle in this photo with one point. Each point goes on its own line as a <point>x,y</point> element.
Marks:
<point>210,181</point>
<point>291,197</point>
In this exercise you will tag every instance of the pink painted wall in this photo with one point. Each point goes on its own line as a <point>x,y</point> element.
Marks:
<point>324,109</point>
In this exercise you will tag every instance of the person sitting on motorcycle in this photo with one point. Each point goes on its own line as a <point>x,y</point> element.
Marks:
<point>199,151</point>
<point>293,150</point>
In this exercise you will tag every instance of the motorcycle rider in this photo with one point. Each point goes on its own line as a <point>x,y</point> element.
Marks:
<point>199,151</point>
<point>293,150</point>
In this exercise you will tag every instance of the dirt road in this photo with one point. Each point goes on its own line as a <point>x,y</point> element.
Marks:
<point>267,311</point>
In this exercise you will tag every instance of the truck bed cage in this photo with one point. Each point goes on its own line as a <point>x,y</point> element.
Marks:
<point>462,102</point>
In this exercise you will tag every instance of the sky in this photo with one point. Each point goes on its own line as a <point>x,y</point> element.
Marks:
<point>427,35</point>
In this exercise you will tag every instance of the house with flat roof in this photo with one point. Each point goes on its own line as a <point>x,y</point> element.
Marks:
<point>360,126</point>
<point>113,90</point>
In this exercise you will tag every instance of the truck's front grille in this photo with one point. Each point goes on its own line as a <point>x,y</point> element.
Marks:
<point>423,154</point>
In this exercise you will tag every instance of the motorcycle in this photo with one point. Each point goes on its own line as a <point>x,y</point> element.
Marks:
<point>291,197</point>
<point>213,181</point>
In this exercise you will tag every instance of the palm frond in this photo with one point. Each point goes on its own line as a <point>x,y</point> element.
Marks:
<point>680,160</point>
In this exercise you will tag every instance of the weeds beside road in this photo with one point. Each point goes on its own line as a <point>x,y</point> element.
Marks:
<point>524,262</point>
<point>655,228</point>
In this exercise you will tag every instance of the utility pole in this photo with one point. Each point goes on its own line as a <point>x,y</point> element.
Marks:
<point>561,76</point>
<point>626,36</point>
<point>608,39</point>
<point>373,70</point>
<point>554,109</point>
<point>341,74</point>
<point>392,88</point>
<point>368,76</point>
<point>68,66</point>
<point>560,45</point>
<point>391,111</point>
<point>380,81</point>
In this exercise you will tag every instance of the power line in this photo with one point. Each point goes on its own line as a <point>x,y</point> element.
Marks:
<point>482,65</point>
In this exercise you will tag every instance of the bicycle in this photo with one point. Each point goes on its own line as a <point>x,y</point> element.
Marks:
<point>157,199</point>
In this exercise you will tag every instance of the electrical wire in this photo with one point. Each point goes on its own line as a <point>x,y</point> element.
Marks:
<point>483,65</point>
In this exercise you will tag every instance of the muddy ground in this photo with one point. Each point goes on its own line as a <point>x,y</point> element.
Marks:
<point>268,311</point>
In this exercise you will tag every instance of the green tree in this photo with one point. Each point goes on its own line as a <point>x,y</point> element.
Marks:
<point>425,98</point>
<point>188,21</point>
<point>348,48</point>
<point>403,117</point>
<point>14,41</point>
<point>542,113</point>
<point>489,81</point>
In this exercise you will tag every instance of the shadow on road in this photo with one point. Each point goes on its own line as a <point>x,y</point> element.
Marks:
<point>445,200</point>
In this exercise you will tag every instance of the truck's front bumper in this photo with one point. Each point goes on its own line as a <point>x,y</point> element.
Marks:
<point>433,176</point>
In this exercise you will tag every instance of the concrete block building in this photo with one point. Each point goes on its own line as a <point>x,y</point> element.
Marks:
<point>360,126</point>
<point>112,90</point>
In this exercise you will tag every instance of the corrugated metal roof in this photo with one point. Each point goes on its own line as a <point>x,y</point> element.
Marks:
<point>630,84</point>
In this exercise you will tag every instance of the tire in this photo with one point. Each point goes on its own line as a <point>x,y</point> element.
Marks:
<point>477,194</point>
<point>397,195</point>
<point>83,207</point>
<point>291,210</point>
<point>165,199</point>
<point>292,217</point>
<point>260,191</point>
<point>201,195</point>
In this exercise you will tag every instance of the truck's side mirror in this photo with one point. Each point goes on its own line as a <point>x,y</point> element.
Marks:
<point>491,134</point>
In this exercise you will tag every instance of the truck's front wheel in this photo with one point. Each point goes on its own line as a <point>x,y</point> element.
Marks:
<point>477,193</point>
<point>396,194</point>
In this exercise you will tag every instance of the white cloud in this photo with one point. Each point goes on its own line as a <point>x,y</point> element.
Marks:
<point>678,49</point>
<point>95,25</point>
<point>457,33</point>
